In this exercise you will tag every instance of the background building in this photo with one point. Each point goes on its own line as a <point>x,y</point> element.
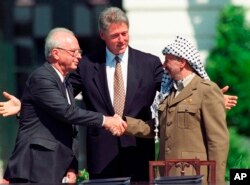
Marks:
<point>155,23</point>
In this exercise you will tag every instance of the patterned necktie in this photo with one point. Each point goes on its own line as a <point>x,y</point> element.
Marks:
<point>119,91</point>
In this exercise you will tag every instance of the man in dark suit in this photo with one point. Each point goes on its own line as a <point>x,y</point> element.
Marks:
<point>44,150</point>
<point>142,74</point>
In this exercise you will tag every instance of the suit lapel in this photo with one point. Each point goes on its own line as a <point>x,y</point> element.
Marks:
<point>52,71</point>
<point>132,80</point>
<point>186,92</point>
<point>72,101</point>
<point>70,92</point>
<point>57,78</point>
<point>63,90</point>
<point>60,84</point>
<point>100,79</point>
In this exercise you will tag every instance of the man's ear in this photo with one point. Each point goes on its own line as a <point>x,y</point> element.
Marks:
<point>54,54</point>
<point>183,62</point>
<point>102,35</point>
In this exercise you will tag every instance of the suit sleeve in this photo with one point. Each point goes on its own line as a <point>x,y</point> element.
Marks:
<point>214,118</point>
<point>158,73</point>
<point>46,94</point>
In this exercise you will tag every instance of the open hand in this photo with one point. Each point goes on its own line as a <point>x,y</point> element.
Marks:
<point>10,107</point>
<point>230,101</point>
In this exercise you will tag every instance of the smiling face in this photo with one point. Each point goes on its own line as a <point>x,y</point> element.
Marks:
<point>174,66</point>
<point>116,37</point>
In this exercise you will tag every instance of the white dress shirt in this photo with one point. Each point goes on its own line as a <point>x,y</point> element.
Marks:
<point>110,70</point>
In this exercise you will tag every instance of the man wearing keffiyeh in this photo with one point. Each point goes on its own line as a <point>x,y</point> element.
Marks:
<point>190,111</point>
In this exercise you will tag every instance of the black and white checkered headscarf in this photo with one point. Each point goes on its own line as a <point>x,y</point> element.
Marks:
<point>183,49</point>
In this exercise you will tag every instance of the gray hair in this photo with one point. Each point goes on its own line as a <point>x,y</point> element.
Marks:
<point>111,15</point>
<point>51,42</point>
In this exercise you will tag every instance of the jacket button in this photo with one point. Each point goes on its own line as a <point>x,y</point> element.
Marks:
<point>169,123</point>
<point>167,137</point>
<point>168,149</point>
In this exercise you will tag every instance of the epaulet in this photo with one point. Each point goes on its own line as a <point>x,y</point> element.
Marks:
<point>206,82</point>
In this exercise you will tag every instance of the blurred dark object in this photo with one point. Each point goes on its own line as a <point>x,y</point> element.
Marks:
<point>189,179</point>
<point>108,181</point>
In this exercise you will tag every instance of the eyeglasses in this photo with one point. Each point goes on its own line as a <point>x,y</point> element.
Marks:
<point>73,53</point>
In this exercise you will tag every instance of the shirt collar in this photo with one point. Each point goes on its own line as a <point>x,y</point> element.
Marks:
<point>180,84</point>
<point>110,57</point>
<point>59,74</point>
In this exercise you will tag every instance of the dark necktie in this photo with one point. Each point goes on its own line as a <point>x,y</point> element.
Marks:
<point>119,90</point>
<point>71,101</point>
<point>66,90</point>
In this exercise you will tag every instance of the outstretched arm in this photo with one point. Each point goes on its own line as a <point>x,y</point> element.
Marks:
<point>230,101</point>
<point>10,107</point>
<point>13,105</point>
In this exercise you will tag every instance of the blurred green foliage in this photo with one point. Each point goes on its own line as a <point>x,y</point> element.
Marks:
<point>8,126</point>
<point>82,175</point>
<point>229,64</point>
<point>238,154</point>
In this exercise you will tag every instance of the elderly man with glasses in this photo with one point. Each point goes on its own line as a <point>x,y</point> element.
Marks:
<point>45,149</point>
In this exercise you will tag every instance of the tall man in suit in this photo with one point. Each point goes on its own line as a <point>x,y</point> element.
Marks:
<point>44,149</point>
<point>142,74</point>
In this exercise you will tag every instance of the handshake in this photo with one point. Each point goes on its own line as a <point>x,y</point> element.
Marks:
<point>116,125</point>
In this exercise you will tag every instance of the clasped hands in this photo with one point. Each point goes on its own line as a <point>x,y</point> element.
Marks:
<point>116,125</point>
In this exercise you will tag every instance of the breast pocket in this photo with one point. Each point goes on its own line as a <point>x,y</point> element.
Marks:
<point>187,116</point>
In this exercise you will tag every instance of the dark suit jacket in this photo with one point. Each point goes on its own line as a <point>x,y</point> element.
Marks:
<point>143,80</point>
<point>43,150</point>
